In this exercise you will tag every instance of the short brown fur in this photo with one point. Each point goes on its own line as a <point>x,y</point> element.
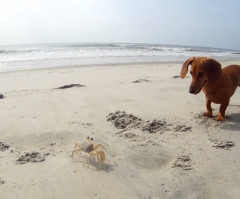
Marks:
<point>217,84</point>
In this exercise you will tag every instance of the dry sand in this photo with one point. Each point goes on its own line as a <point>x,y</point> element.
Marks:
<point>158,144</point>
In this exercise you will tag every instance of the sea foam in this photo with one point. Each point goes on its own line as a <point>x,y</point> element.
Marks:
<point>53,55</point>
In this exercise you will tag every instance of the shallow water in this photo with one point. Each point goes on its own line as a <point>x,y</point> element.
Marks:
<point>17,57</point>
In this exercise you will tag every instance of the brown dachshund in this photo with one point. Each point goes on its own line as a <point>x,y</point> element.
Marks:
<point>217,84</point>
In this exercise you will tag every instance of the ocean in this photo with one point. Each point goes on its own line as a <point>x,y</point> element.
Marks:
<point>34,56</point>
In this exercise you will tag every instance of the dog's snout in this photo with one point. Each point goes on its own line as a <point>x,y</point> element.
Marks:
<point>191,90</point>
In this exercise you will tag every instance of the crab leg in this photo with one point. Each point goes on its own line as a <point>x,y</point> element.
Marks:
<point>75,150</point>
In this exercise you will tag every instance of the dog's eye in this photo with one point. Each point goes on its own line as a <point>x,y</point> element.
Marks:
<point>200,74</point>
<point>191,72</point>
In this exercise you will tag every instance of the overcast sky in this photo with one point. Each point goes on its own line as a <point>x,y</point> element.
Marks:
<point>212,23</point>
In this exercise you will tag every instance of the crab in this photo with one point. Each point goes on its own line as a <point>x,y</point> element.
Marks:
<point>92,150</point>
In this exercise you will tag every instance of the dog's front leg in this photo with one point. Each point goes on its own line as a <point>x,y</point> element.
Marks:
<point>222,109</point>
<point>208,113</point>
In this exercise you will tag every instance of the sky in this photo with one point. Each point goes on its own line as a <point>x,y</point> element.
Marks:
<point>208,23</point>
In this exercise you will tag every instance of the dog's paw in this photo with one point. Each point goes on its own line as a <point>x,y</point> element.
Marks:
<point>220,118</point>
<point>207,114</point>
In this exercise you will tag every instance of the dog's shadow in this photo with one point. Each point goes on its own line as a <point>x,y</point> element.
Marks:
<point>232,122</point>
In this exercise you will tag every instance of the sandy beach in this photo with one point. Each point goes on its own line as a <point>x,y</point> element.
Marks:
<point>158,144</point>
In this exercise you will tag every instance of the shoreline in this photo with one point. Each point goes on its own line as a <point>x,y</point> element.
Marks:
<point>93,65</point>
<point>225,61</point>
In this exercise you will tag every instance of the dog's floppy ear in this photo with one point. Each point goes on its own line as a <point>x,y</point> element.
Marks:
<point>185,67</point>
<point>212,68</point>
